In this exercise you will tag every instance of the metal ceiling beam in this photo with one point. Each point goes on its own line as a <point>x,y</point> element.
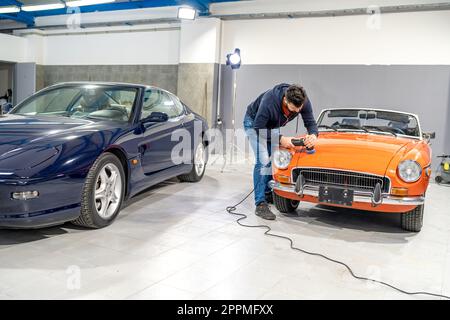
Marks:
<point>335,13</point>
<point>19,17</point>
<point>10,3</point>
<point>123,6</point>
<point>86,26</point>
<point>201,6</point>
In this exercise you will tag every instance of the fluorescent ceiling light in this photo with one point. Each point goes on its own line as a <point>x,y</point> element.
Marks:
<point>80,3</point>
<point>186,13</point>
<point>42,7</point>
<point>9,9</point>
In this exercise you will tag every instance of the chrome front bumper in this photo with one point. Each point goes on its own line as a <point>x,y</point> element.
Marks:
<point>358,196</point>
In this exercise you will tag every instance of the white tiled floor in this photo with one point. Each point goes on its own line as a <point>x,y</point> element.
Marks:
<point>176,241</point>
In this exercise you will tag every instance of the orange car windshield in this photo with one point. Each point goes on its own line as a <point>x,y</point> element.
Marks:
<point>374,121</point>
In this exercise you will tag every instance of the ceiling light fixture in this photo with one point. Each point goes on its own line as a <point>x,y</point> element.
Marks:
<point>81,3</point>
<point>42,7</point>
<point>9,9</point>
<point>186,13</point>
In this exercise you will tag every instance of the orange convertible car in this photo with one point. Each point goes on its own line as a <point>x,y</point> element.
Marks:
<point>366,159</point>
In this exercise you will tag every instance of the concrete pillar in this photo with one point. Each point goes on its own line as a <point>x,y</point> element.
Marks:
<point>199,66</point>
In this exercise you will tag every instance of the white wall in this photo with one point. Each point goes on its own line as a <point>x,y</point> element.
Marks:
<point>403,38</point>
<point>151,47</point>
<point>99,46</point>
<point>12,48</point>
<point>199,41</point>
<point>35,49</point>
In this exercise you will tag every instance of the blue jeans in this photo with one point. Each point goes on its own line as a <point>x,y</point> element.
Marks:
<point>262,172</point>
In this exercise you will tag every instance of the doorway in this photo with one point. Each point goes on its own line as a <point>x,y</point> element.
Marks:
<point>6,82</point>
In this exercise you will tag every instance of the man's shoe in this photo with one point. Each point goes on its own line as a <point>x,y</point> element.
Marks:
<point>263,211</point>
<point>269,197</point>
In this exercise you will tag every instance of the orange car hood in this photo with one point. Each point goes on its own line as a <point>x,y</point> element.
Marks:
<point>352,151</point>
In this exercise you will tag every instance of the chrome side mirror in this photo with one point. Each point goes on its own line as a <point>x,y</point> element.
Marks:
<point>429,135</point>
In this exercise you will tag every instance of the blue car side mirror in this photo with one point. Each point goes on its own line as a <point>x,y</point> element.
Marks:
<point>156,117</point>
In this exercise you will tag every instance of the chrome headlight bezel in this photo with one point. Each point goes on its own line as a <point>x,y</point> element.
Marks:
<point>414,168</point>
<point>281,158</point>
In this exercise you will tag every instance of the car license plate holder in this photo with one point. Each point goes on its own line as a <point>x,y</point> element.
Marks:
<point>333,195</point>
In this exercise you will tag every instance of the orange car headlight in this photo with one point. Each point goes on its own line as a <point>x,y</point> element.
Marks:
<point>281,159</point>
<point>409,171</point>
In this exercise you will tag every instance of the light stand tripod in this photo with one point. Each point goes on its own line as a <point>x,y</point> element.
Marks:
<point>234,61</point>
<point>233,145</point>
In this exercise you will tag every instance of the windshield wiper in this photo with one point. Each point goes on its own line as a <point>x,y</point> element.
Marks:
<point>350,126</point>
<point>84,116</point>
<point>327,127</point>
<point>375,128</point>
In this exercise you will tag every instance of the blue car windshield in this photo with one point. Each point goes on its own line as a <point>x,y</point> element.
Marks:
<point>84,101</point>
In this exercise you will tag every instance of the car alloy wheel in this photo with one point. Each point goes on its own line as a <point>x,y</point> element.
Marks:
<point>108,191</point>
<point>199,159</point>
<point>103,192</point>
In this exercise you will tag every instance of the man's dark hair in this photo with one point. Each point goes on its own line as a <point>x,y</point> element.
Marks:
<point>296,95</point>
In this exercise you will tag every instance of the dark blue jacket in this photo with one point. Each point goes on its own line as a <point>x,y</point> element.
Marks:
<point>267,113</point>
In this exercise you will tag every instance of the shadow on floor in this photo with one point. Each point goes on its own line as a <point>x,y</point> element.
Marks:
<point>19,236</point>
<point>342,218</point>
<point>365,226</point>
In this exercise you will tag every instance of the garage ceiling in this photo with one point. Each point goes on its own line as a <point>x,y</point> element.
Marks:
<point>28,17</point>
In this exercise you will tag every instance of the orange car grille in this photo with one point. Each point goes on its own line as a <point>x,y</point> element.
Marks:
<point>347,179</point>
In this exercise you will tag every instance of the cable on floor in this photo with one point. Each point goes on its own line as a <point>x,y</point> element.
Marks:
<point>232,210</point>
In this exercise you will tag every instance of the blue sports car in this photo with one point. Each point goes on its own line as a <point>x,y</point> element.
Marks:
<point>75,151</point>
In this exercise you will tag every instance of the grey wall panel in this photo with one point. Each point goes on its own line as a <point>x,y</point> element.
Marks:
<point>226,93</point>
<point>215,97</point>
<point>250,82</point>
<point>447,134</point>
<point>24,81</point>
<point>424,90</point>
<point>164,76</point>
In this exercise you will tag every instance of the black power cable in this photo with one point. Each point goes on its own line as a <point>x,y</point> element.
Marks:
<point>232,209</point>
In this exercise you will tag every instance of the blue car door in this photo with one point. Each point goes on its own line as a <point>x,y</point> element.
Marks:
<point>156,144</point>
<point>188,123</point>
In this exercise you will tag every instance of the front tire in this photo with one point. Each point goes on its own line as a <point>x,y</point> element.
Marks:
<point>198,165</point>
<point>103,193</point>
<point>413,220</point>
<point>285,205</point>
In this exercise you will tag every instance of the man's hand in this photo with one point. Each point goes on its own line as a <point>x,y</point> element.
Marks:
<point>310,141</point>
<point>286,142</point>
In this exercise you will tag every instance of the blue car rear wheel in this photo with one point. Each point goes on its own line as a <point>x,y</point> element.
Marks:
<point>199,162</point>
